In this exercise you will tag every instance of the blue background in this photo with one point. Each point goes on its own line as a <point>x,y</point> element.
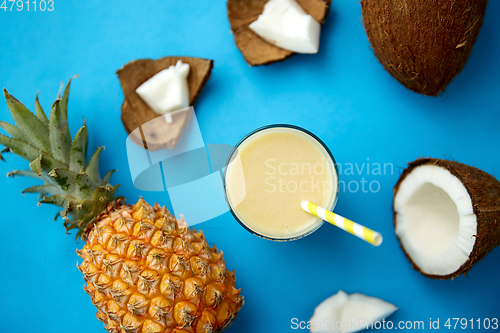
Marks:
<point>342,94</point>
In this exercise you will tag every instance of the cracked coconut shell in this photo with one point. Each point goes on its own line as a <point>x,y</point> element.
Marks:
<point>256,50</point>
<point>135,112</point>
<point>484,192</point>
<point>424,44</point>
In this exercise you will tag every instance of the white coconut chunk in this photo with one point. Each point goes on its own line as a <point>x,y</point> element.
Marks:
<point>167,91</point>
<point>435,220</point>
<point>285,24</point>
<point>349,313</point>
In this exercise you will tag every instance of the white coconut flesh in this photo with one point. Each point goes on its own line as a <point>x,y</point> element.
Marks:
<point>435,220</point>
<point>349,313</point>
<point>167,91</point>
<point>285,24</point>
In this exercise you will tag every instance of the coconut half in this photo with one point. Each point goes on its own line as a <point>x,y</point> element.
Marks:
<point>446,216</point>
<point>256,50</point>
<point>349,313</point>
<point>136,112</point>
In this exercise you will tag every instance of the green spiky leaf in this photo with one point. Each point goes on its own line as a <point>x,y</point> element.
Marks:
<point>11,130</point>
<point>78,156</point>
<point>60,138</point>
<point>19,148</point>
<point>61,200</point>
<point>29,174</point>
<point>93,167</point>
<point>31,128</point>
<point>40,114</point>
<point>43,189</point>
<point>107,177</point>
<point>64,103</point>
<point>23,173</point>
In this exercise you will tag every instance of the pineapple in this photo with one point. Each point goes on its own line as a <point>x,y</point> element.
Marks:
<point>145,271</point>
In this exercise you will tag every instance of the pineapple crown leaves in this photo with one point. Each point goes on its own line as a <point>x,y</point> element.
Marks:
<point>58,161</point>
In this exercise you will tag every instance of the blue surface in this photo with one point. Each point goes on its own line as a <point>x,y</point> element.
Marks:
<point>342,94</point>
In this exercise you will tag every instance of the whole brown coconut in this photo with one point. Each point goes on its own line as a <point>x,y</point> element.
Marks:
<point>424,44</point>
<point>446,216</point>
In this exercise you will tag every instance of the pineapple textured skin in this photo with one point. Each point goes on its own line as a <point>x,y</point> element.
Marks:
<point>147,272</point>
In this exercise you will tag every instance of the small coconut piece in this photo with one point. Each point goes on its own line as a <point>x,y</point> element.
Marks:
<point>285,24</point>
<point>136,112</point>
<point>424,44</point>
<point>256,50</point>
<point>349,313</point>
<point>167,90</point>
<point>446,216</point>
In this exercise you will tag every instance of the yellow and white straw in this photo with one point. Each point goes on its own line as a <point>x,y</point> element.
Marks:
<point>351,227</point>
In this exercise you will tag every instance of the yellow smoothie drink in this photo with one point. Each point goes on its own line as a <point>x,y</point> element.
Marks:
<point>271,172</point>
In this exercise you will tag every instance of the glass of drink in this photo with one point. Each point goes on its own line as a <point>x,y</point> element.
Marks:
<point>270,172</point>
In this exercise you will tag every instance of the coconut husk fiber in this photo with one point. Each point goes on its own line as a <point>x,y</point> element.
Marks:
<point>484,191</point>
<point>135,112</point>
<point>424,44</point>
<point>256,50</point>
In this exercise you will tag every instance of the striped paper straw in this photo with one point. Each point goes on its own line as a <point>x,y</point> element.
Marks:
<point>351,227</point>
